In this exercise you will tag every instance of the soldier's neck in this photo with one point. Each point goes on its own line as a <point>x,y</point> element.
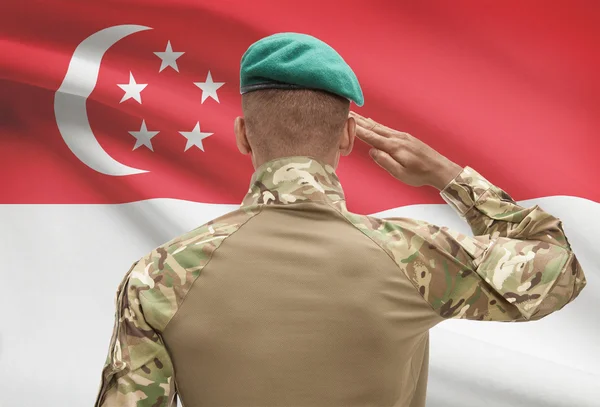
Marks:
<point>328,158</point>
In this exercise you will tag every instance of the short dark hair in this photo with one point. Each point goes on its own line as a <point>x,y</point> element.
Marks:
<point>282,122</point>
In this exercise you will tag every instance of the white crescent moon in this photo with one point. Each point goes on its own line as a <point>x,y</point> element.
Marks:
<point>70,100</point>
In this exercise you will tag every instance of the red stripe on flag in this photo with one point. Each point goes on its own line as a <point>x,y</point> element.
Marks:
<point>509,89</point>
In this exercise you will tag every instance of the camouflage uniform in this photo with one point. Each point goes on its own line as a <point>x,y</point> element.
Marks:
<point>265,322</point>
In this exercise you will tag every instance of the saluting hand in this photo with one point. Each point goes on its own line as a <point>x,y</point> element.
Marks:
<point>404,156</point>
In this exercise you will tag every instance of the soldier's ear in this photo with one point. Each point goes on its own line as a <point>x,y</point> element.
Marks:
<point>241,138</point>
<point>348,136</point>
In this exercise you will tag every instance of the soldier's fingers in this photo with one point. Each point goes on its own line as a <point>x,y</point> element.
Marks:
<point>389,132</point>
<point>356,115</point>
<point>375,140</point>
<point>365,123</point>
<point>369,123</point>
<point>379,128</point>
<point>387,162</point>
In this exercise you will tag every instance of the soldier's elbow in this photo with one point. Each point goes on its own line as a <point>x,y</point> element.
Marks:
<point>567,287</point>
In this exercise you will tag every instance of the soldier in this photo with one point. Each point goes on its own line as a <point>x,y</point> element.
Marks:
<point>292,300</point>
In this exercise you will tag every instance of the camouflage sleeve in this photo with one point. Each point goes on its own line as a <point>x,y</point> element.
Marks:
<point>138,370</point>
<point>519,266</point>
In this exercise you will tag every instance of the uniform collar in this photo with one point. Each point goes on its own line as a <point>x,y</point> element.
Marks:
<point>293,179</point>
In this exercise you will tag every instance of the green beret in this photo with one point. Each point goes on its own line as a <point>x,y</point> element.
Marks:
<point>297,61</point>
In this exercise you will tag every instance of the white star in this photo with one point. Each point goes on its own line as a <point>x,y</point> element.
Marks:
<point>195,137</point>
<point>209,88</point>
<point>143,136</point>
<point>132,89</point>
<point>168,58</point>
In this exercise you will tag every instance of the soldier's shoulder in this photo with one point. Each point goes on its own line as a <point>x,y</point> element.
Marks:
<point>201,240</point>
<point>166,274</point>
<point>401,236</point>
<point>404,239</point>
<point>216,229</point>
<point>384,231</point>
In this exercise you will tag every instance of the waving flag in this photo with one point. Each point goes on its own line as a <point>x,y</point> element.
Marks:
<point>116,134</point>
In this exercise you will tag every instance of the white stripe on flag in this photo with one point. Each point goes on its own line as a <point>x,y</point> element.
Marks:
<point>62,264</point>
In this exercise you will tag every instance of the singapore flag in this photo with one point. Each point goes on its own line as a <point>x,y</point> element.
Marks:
<point>116,135</point>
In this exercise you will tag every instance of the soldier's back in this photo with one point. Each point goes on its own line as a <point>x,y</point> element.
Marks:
<point>298,307</point>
